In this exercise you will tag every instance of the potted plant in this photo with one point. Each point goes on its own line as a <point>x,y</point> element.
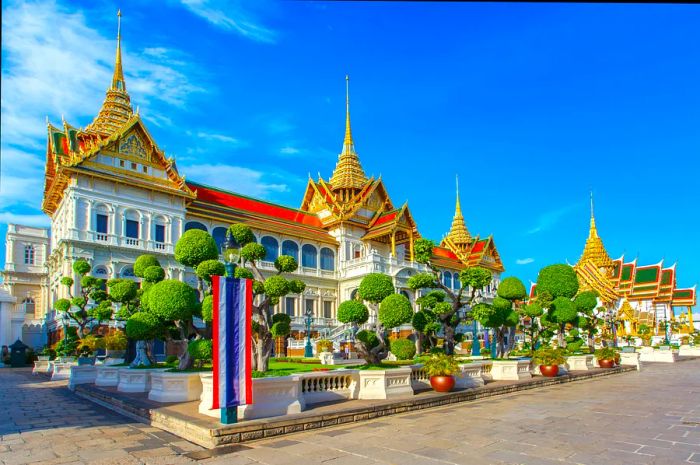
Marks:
<point>549,360</point>
<point>115,344</point>
<point>605,357</point>
<point>86,349</point>
<point>441,369</point>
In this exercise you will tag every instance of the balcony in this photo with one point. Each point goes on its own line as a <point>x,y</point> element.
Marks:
<point>375,263</point>
<point>302,270</point>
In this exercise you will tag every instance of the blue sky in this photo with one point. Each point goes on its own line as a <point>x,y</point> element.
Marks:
<point>533,105</point>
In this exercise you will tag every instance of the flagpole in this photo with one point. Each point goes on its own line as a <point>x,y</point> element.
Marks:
<point>229,415</point>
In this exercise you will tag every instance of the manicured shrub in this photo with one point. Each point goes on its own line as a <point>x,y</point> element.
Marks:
<point>154,274</point>
<point>241,234</point>
<point>200,350</point>
<point>353,311</point>
<point>194,247</point>
<point>324,345</point>
<point>143,262</point>
<point>441,365</point>
<point>368,338</point>
<point>209,268</point>
<point>286,264</point>
<point>512,288</point>
<point>403,349</point>
<point>172,300</point>
<point>558,281</point>
<point>375,287</point>
<point>548,356</point>
<point>116,341</point>
<point>395,310</point>
<point>142,326</point>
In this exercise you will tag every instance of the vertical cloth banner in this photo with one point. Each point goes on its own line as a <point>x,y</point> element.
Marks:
<point>232,312</point>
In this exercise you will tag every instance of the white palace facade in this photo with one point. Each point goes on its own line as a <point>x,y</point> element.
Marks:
<point>112,195</point>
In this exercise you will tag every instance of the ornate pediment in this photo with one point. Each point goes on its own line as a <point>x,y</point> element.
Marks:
<point>133,145</point>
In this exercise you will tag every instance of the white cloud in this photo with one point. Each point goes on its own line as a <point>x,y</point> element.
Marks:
<point>548,219</point>
<point>234,178</point>
<point>219,137</point>
<point>230,16</point>
<point>524,261</point>
<point>25,219</point>
<point>289,151</point>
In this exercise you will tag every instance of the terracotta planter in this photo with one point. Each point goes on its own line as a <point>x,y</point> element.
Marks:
<point>549,370</point>
<point>442,383</point>
<point>606,363</point>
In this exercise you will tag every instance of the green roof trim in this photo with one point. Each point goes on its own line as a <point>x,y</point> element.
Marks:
<point>626,273</point>
<point>647,275</point>
<point>666,277</point>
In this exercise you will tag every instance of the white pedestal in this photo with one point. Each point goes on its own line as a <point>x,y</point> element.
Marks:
<point>510,370</point>
<point>469,376</point>
<point>175,387</point>
<point>579,362</point>
<point>630,359</point>
<point>385,384</point>
<point>81,374</point>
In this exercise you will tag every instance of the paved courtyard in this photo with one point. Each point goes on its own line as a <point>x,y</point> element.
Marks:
<point>651,417</point>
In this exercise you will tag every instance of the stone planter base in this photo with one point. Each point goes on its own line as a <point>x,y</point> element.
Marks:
<point>107,375</point>
<point>385,384</point>
<point>175,387</point>
<point>655,355</point>
<point>61,370</point>
<point>81,374</point>
<point>579,362</point>
<point>469,376</point>
<point>631,359</point>
<point>40,366</point>
<point>135,379</point>
<point>689,351</point>
<point>512,370</point>
<point>113,361</point>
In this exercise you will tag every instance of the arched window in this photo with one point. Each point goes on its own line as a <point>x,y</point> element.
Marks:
<point>195,225</point>
<point>447,278</point>
<point>132,222</point>
<point>29,306</point>
<point>29,255</point>
<point>127,272</point>
<point>219,235</point>
<point>309,256</point>
<point>405,293</point>
<point>455,281</point>
<point>271,248</point>
<point>353,294</point>
<point>327,259</point>
<point>290,248</point>
<point>100,272</point>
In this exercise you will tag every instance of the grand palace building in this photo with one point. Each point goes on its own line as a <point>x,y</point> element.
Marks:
<point>112,194</point>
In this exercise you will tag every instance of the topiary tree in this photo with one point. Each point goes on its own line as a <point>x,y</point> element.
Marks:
<point>532,312</point>
<point>143,327</point>
<point>586,304</point>
<point>194,247</point>
<point>85,308</point>
<point>557,285</point>
<point>425,321</point>
<point>200,350</point>
<point>403,349</point>
<point>267,290</point>
<point>472,278</point>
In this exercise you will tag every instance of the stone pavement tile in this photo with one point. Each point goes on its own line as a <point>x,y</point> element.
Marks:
<point>121,460</point>
<point>511,457</point>
<point>152,452</point>
<point>270,456</point>
<point>671,454</point>
<point>694,458</point>
<point>168,460</point>
<point>228,460</point>
<point>448,455</point>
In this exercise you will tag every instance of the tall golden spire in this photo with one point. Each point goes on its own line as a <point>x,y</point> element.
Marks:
<point>594,250</point>
<point>459,235</point>
<point>116,109</point>
<point>348,173</point>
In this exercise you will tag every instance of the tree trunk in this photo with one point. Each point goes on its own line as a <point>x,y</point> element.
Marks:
<point>185,361</point>
<point>449,344</point>
<point>264,352</point>
<point>560,337</point>
<point>499,342</point>
<point>419,342</point>
<point>141,355</point>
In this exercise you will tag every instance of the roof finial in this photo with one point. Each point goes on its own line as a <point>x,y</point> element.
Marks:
<point>348,144</point>
<point>458,208</point>
<point>348,172</point>
<point>593,231</point>
<point>118,78</point>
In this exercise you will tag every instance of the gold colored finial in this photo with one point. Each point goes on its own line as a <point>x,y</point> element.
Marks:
<point>459,234</point>
<point>594,250</point>
<point>118,78</point>
<point>348,173</point>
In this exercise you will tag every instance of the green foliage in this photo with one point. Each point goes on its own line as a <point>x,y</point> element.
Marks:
<point>281,318</point>
<point>586,301</point>
<point>280,329</point>
<point>498,314</point>
<point>276,286</point>
<point>368,338</point>
<point>441,365</point>
<point>67,281</point>
<point>242,273</point>
<point>643,330</point>
<point>429,300</point>
<point>67,347</point>
<point>258,287</point>
<point>286,264</point>
<point>101,312</point>
<point>395,310</point>
<point>171,359</point>
<point>558,281</point>
<point>486,352</point>
<point>605,353</point>
<point>241,233</point>
<point>547,356</point>
<point>532,310</point>
<point>88,281</point>
<point>423,250</point>
<point>81,267</point>
<point>200,349</point>
<point>424,321</point>
<point>79,302</point>
<point>375,287</point>
<point>253,252</point>
<point>441,308</point>
<point>143,262</point>
<point>207,308</point>
<point>324,345</point>
<point>123,290</point>
<point>422,281</point>
<point>172,300</point>
<point>353,311</point>
<point>574,342</point>
<point>512,288</point>
<point>562,310</point>
<point>403,349</point>
<point>116,341</point>
<point>194,247</point>
<point>209,268</point>
<point>62,305</point>
<point>475,277</point>
<point>142,326</point>
<point>154,274</point>
<point>296,286</point>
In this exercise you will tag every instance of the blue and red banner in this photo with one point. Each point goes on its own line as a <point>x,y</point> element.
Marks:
<point>232,341</point>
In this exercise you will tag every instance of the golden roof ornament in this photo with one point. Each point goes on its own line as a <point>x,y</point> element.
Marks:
<point>116,108</point>
<point>348,173</point>
<point>459,235</point>
<point>594,250</point>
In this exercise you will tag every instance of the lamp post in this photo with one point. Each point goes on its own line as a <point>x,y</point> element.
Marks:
<point>665,331</point>
<point>476,346</point>
<point>231,253</point>
<point>308,350</point>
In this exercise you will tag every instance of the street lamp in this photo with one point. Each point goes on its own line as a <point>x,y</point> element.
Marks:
<point>308,350</point>
<point>231,253</point>
<point>665,322</point>
<point>476,345</point>
<point>66,320</point>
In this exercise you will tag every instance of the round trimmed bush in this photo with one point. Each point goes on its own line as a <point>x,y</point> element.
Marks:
<point>558,281</point>
<point>194,247</point>
<point>403,349</point>
<point>253,252</point>
<point>353,311</point>
<point>123,291</point>
<point>143,262</point>
<point>395,310</point>
<point>209,268</point>
<point>242,273</point>
<point>81,266</point>
<point>142,326</point>
<point>154,274</point>
<point>286,264</point>
<point>375,287</point>
<point>563,310</point>
<point>512,288</point>
<point>241,234</point>
<point>207,308</point>
<point>276,286</point>
<point>172,300</point>
<point>368,338</point>
<point>200,349</point>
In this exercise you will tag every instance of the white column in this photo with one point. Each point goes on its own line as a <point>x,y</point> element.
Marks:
<point>90,226</point>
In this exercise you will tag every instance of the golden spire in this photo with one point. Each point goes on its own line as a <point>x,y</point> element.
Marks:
<point>594,250</point>
<point>348,173</point>
<point>459,235</point>
<point>116,109</point>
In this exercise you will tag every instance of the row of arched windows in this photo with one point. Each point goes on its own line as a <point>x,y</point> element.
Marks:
<point>451,280</point>
<point>310,255</point>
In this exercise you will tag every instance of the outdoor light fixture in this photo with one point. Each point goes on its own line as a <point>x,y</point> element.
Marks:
<point>308,350</point>
<point>231,253</point>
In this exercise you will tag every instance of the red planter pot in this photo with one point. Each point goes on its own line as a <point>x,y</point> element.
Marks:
<point>549,370</point>
<point>606,363</point>
<point>442,383</point>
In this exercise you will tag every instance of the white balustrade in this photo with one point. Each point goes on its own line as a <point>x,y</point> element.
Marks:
<point>329,386</point>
